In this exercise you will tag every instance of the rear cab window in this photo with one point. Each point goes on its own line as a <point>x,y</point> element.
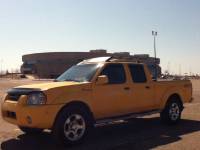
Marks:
<point>115,73</point>
<point>137,73</point>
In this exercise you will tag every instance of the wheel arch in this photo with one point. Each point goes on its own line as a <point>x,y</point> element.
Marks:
<point>174,96</point>
<point>75,103</point>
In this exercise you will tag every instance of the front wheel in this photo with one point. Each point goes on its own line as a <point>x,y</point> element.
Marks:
<point>72,126</point>
<point>172,112</point>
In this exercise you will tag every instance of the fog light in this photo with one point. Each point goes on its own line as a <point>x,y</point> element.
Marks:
<point>29,120</point>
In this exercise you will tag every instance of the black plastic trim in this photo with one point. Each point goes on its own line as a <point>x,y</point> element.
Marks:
<point>22,91</point>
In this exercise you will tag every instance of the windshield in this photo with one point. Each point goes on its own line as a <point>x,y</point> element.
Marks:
<point>79,73</point>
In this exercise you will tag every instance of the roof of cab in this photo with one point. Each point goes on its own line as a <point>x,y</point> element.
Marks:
<point>112,59</point>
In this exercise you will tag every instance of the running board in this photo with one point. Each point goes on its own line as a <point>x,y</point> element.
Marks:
<point>105,121</point>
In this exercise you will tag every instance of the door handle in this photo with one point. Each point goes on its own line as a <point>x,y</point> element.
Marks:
<point>147,87</point>
<point>127,88</point>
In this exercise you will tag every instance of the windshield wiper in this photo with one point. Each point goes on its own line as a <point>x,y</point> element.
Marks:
<point>67,80</point>
<point>72,80</point>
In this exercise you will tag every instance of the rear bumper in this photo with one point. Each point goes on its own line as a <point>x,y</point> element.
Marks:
<point>42,116</point>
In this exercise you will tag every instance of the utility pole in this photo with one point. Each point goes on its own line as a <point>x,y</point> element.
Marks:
<point>1,61</point>
<point>155,33</point>
<point>180,73</point>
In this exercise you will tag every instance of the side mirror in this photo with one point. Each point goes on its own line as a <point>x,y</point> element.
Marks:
<point>103,79</point>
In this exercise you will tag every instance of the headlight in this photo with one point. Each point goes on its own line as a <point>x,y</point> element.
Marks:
<point>37,98</point>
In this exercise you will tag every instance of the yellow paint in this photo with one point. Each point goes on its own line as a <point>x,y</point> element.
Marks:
<point>104,100</point>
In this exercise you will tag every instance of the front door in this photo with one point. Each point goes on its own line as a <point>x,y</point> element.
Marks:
<point>112,99</point>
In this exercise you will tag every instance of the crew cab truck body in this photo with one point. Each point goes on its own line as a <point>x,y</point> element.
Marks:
<point>91,92</point>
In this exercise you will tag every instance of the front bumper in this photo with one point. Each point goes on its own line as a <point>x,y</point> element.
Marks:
<point>18,113</point>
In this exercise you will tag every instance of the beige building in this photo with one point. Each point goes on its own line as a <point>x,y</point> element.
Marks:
<point>52,64</point>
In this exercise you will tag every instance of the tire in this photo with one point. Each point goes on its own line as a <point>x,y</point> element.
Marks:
<point>72,126</point>
<point>172,112</point>
<point>27,130</point>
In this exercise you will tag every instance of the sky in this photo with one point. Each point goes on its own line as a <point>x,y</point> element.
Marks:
<point>32,26</point>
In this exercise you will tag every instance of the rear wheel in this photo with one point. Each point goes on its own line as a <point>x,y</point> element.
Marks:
<point>172,112</point>
<point>30,130</point>
<point>72,126</point>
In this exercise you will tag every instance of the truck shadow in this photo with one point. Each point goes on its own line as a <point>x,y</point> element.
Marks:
<point>138,133</point>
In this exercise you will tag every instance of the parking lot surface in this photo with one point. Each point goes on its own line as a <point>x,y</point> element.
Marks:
<point>139,133</point>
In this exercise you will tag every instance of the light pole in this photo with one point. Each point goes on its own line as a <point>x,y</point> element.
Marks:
<point>155,33</point>
<point>1,67</point>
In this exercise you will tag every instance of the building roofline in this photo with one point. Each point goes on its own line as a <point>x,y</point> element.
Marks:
<point>84,52</point>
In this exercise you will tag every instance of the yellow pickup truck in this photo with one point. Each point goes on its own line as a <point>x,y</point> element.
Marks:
<point>95,91</point>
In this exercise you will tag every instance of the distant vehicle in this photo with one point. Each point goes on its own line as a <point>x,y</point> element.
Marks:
<point>95,91</point>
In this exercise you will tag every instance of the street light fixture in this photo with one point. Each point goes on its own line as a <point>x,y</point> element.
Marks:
<point>155,33</point>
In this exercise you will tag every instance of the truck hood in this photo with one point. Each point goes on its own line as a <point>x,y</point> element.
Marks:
<point>49,85</point>
<point>56,92</point>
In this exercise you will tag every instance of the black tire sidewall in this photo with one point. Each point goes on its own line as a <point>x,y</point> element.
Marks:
<point>58,130</point>
<point>165,115</point>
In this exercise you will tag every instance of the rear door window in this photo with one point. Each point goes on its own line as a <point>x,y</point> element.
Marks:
<point>137,73</point>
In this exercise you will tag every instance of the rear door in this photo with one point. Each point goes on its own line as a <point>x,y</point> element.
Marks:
<point>142,90</point>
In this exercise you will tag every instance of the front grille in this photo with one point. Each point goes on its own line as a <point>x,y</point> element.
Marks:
<point>13,97</point>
